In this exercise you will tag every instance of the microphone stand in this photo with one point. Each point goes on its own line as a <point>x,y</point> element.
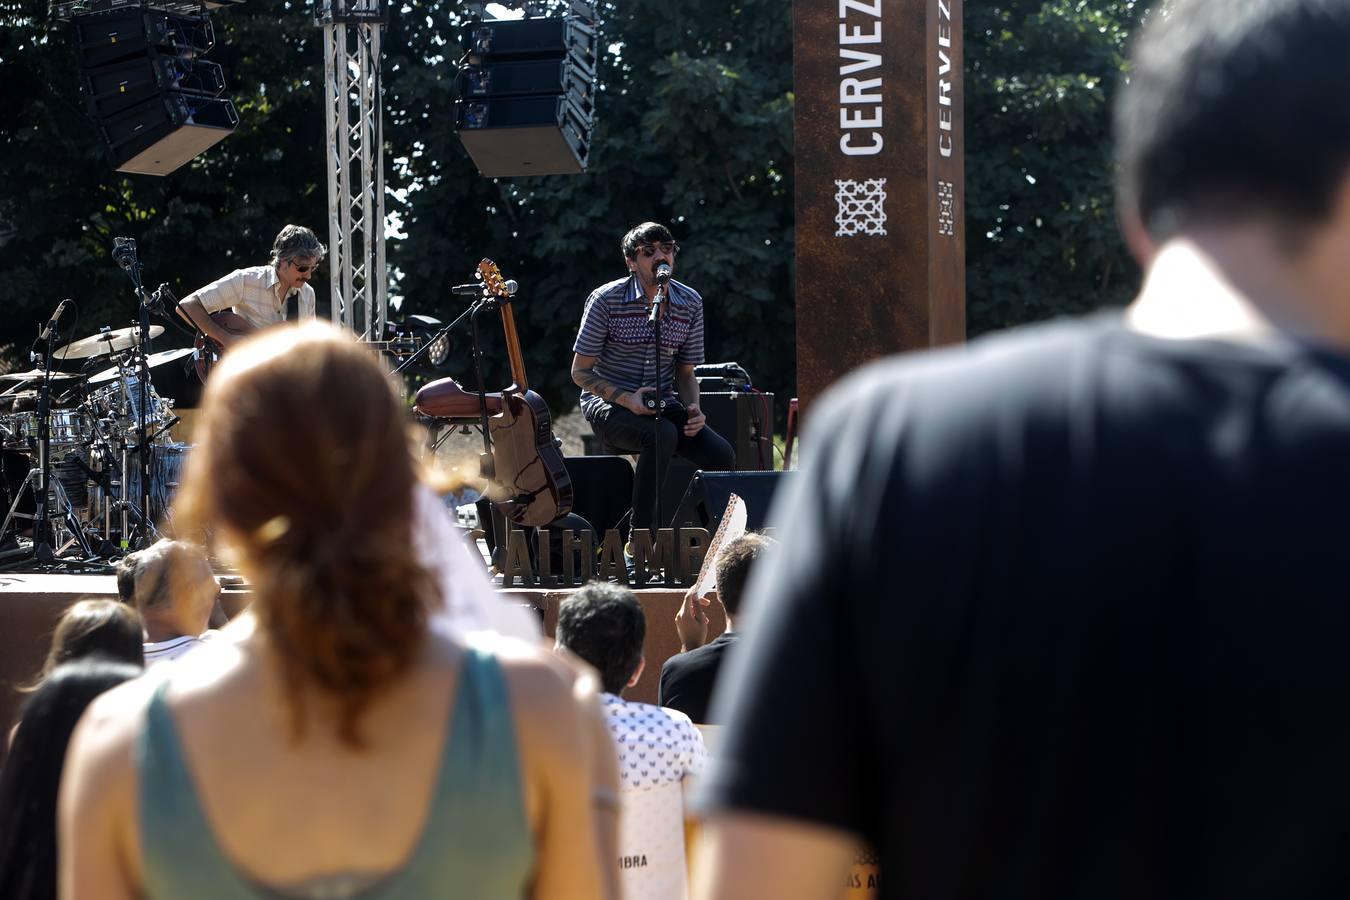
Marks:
<point>41,552</point>
<point>426,345</point>
<point>125,254</point>
<point>655,319</point>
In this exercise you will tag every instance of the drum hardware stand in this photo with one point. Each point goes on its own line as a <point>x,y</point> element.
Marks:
<point>124,254</point>
<point>121,503</point>
<point>39,480</point>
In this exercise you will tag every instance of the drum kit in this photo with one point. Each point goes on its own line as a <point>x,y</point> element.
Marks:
<point>94,499</point>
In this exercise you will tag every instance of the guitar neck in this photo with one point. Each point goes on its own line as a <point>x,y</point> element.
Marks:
<point>513,353</point>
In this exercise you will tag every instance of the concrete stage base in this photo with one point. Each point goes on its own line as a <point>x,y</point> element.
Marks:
<point>30,606</point>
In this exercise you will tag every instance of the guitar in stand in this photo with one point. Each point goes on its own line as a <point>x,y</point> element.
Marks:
<point>529,465</point>
<point>530,483</point>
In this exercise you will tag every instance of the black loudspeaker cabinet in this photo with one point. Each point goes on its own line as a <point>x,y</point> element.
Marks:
<point>531,77</point>
<point>109,37</point>
<point>161,134</point>
<point>602,489</point>
<point>112,89</point>
<point>743,418</point>
<point>536,135</point>
<point>708,493</point>
<point>537,38</point>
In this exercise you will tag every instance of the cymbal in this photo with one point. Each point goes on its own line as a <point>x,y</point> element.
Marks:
<point>36,374</point>
<point>154,359</point>
<point>107,342</point>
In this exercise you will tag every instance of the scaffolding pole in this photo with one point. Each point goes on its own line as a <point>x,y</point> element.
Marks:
<point>355,159</point>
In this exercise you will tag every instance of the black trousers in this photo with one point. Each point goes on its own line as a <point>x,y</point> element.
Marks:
<point>656,439</point>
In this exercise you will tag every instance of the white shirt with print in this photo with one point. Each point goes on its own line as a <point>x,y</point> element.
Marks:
<point>658,748</point>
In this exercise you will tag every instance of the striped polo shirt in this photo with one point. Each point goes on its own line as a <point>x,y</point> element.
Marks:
<point>614,329</point>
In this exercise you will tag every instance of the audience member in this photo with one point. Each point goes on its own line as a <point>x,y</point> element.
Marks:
<point>330,742</point>
<point>95,627</point>
<point>176,593</point>
<point>125,570</point>
<point>32,772</point>
<point>687,680</point>
<point>1063,614</point>
<point>658,748</point>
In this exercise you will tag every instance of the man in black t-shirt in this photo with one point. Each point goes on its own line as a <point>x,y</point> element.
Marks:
<point>688,678</point>
<point>1066,613</point>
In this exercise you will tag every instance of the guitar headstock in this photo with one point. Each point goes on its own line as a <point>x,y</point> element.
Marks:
<point>491,277</point>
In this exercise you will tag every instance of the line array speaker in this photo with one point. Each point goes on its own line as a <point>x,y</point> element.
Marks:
<point>155,103</point>
<point>527,94</point>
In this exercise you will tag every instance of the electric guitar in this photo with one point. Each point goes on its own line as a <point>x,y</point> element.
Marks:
<point>206,351</point>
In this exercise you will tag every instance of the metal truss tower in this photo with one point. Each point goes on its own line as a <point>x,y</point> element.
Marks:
<point>355,157</point>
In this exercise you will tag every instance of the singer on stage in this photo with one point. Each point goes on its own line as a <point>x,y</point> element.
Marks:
<point>615,365</point>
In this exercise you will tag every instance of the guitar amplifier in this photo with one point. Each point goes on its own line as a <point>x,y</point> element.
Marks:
<point>746,420</point>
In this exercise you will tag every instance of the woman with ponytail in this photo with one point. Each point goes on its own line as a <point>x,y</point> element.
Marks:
<point>332,743</point>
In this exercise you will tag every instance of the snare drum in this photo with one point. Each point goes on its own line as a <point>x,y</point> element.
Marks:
<point>21,429</point>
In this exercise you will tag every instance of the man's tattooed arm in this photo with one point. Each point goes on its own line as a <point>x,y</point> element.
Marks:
<point>583,373</point>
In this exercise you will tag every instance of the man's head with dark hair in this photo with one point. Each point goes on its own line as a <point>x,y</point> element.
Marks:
<point>604,625</point>
<point>1235,111</point>
<point>733,567</point>
<point>650,233</point>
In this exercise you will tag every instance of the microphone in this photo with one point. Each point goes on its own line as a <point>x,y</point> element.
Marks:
<point>56,316</point>
<point>124,252</point>
<point>511,287</point>
<point>662,272</point>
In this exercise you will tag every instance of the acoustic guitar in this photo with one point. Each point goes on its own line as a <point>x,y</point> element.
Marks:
<point>529,467</point>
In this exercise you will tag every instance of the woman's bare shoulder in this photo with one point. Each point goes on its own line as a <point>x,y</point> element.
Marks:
<point>550,690</point>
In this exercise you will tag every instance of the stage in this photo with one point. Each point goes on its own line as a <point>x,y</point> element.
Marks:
<point>31,604</point>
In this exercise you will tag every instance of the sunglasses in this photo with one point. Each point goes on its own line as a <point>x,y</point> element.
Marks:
<point>647,251</point>
<point>303,269</point>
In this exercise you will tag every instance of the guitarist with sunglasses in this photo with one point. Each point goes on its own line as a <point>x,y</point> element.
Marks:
<point>247,299</point>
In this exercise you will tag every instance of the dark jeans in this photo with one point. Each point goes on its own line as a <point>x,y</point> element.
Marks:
<point>656,439</point>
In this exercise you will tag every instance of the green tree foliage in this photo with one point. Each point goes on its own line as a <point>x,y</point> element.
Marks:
<point>1041,236</point>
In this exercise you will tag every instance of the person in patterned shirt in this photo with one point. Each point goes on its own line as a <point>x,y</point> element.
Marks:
<point>658,748</point>
<point>615,366</point>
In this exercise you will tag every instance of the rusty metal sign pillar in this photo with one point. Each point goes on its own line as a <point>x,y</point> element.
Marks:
<point>880,182</point>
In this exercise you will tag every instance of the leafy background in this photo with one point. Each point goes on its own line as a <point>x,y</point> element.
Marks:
<point>694,127</point>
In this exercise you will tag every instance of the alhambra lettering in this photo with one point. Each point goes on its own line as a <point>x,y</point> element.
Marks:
<point>860,97</point>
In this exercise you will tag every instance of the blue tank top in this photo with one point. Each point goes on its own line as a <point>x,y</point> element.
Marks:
<point>475,843</point>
